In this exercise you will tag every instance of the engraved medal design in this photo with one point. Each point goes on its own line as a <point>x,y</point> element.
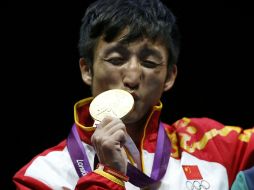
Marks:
<point>116,103</point>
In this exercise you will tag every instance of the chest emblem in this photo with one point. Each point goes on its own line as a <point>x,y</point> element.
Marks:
<point>195,180</point>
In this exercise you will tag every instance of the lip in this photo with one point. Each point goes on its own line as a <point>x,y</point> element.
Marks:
<point>134,94</point>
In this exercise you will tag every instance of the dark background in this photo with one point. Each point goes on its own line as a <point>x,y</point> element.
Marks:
<point>41,79</point>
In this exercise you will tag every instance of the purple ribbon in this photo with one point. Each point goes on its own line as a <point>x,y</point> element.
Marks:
<point>136,177</point>
<point>77,153</point>
<point>160,162</point>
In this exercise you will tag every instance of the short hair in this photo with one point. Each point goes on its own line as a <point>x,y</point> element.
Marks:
<point>145,18</point>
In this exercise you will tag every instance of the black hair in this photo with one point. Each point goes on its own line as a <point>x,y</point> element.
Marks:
<point>145,18</point>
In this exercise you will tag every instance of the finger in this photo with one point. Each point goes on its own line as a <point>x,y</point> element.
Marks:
<point>119,136</point>
<point>96,142</point>
<point>111,128</point>
<point>105,121</point>
<point>109,125</point>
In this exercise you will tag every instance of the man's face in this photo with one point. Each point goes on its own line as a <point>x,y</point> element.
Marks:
<point>139,67</point>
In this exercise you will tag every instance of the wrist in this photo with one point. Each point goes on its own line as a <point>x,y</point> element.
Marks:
<point>113,172</point>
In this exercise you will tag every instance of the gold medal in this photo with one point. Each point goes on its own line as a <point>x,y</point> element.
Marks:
<point>116,103</point>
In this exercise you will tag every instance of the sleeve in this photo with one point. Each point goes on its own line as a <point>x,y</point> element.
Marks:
<point>210,140</point>
<point>28,183</point>
<point>96,180</point>
<point>239,152</point>
<point>99,180</point>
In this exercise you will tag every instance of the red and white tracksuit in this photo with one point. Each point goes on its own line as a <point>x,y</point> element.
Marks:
<point>204,152</point>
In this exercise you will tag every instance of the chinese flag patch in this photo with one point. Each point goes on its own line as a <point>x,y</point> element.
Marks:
<point>192,172</point>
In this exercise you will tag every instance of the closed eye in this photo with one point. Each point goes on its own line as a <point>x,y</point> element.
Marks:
<point>115,61</point>
<point>150,64</point>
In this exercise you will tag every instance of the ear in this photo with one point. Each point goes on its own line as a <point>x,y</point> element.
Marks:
<point>85,71</point>
<point>170,80</point>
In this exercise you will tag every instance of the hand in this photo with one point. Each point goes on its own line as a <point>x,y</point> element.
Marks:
<point>108,140</point>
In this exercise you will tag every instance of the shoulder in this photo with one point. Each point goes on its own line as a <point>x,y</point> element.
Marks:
<point>44,161</point>
<point>54,161</point>
<point>205,122</point>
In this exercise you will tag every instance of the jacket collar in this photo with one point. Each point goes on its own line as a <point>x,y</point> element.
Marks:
<point>84,121</point>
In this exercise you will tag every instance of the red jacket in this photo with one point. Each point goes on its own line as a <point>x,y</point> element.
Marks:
<point>204,152</point>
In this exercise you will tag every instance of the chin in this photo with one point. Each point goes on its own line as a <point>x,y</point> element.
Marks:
<point>133,118</point>
<point>129,120</point>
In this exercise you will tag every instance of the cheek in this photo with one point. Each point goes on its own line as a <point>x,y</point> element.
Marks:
<point>154,86</point>
<point>156,80</point>
<point>104,79</point>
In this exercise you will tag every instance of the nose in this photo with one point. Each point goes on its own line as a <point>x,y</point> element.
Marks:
<point>132,74</point>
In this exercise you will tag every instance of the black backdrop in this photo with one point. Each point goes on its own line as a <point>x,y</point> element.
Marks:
<point>41,79</point>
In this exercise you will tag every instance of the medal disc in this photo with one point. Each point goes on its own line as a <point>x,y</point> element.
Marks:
<point>116,103</point>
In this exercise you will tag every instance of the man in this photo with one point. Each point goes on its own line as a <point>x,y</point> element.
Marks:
<point>134,46</point>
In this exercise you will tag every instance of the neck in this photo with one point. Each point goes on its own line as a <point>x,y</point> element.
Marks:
<point>135,130</point>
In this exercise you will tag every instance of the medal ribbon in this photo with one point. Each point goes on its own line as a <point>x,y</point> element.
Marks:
<point>77,152</point>
<point>136,177</point>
